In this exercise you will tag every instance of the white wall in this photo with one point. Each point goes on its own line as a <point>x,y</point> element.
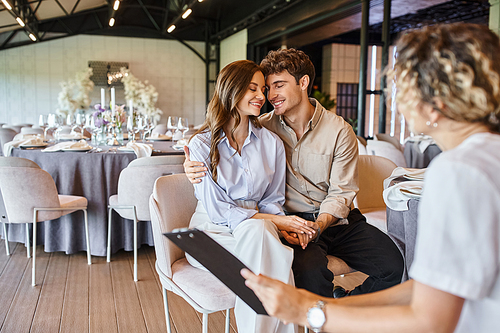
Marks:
<point>30,75</point>
<point>233,48</point>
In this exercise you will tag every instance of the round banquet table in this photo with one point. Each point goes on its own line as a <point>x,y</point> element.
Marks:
<point>94,176</point>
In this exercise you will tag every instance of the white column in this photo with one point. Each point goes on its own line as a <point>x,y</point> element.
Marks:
<point>494,23</point>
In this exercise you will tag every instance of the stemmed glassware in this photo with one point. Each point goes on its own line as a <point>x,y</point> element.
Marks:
<point>131,128</point>
<point>172,125</point>
<point>42,123</point>
<point>79,122</point>
<point>183,126</point>
<point>53,122</point>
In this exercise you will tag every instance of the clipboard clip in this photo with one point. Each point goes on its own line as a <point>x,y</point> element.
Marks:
<point>180,230</point>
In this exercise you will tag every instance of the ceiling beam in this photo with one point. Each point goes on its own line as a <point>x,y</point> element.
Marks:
<point>13,33</point>
<point>149,15</point>
<point>74,7</point>
<point>61,6</point>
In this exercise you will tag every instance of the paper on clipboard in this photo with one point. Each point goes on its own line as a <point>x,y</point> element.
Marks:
<point>221,263</point>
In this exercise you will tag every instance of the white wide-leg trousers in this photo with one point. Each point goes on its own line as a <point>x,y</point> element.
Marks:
<point>256,243</point>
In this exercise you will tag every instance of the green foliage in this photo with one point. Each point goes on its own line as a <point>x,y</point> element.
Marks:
<point>324,99</point>
<point>354,124</point>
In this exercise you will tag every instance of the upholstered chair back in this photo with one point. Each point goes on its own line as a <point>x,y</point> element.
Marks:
<point>136,181</point>
<point>6,135</point>
<point>372,171</point>
<point>26,187</point>
<point>172,204</point>
<point>32,130</point>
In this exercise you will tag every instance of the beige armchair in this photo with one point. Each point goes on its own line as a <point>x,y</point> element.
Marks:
<point>172,204</point>
<point>135,185</point>
<point>30,196</point>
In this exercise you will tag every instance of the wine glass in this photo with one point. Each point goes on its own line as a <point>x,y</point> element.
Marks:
<point>131,128</point>
<point>172,125</point>
<point>141,127</point>
<point>150,124</point>
<point>79,123</point>
<point>43,123</point>
<point>183,126</point>
<point>54,122</point>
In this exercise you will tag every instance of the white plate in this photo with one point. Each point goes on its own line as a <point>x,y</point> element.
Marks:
<point>176,147</point>
<point>125,149</point>
<point>161,138</point>
<point>77,149</point>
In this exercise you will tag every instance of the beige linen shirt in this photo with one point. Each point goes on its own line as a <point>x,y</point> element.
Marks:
<point>322,167</point>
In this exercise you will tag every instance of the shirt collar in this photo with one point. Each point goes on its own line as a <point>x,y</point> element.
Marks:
<point>318,111</point>
<point>253,132</point>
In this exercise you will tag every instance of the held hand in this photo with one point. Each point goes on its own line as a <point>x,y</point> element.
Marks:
<point>194,170</point>
<point>291,237</point>
<point>295,224</point>
<point>279,299</point>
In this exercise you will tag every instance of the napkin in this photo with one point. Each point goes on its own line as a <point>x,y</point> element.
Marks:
<point>423,141</point>
<point>395,197</point>
<point>24,136</point>
<point>82,144</point>
<point>72,136</point>
<point>140,149</point>
<point>29,140</point>
<point>180,144</point>
<point>400,171</point>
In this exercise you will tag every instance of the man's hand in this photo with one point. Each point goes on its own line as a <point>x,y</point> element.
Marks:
<point>279,299</point>
<point>194,170</point>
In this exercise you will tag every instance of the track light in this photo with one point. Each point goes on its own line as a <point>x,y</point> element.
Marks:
<point>7,5</point>
<point>21,23</point>
<point>116,5</point>
<point>186,13</point>
<point>33,38</point>
<point>200,0</point>
<point>111,21</point>
<point>171,28</point>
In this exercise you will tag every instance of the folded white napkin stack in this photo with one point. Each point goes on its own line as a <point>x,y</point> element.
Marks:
<point>396,197</point>
<point>72,136</point>
<point>78,145</point>
<point>410,173</point>
<point>141,149</point>
<point>28,140</point>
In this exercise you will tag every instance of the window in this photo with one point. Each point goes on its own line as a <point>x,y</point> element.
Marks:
<point>347,101</point>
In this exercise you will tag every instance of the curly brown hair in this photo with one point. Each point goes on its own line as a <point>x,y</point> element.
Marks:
<point>230,88</point>
<point>296,62</point>
<point>457,63</point>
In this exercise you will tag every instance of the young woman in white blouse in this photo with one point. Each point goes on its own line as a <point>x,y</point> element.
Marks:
<point>448,86</point>
<point>239,202</point>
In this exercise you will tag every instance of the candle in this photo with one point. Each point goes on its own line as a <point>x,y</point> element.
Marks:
<point>103,98</point>
<point>131,108</point>
<point>113,101</point>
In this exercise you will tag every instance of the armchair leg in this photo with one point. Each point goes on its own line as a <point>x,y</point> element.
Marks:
<point>33,263</point>
<point>28,240</point>
<point>6,239</point>
<point>89,260</point>
<point>108,258</point>
<point>228,325</point>
<point>205,323</point>
<point>167,316</point>
<point>135,244</point>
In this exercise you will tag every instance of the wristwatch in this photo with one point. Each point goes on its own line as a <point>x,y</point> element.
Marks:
<point>316,316</point>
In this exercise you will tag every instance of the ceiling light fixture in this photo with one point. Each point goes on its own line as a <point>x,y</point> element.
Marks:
<point>111,21</point>
<point>33,38</point>
<point>116,5</point>
<point>7,5</point>
<point>21,23</point>
<point>186,13</point>
<point>200,0</point>
<point>171,28</point>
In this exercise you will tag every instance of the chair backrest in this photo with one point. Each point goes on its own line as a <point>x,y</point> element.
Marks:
<point>372,171</point>
<point>26,187</point>
<point>172,204</point>
<point>136,181</point>
<point>387,150</point>
<point>6,135</point>
<point>17,162</point>
<point>388,138</point>
<point>32,130</point>
<point>361,148</point>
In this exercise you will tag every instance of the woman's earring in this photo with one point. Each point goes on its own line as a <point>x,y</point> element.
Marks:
<point>428,123</point>
<point>435,125</point>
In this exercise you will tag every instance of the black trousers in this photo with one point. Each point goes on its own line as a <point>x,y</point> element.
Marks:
<point>362,246</point>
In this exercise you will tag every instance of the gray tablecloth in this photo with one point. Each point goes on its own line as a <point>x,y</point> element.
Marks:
<point>402,227</point>
<point>415,158</point>
<point>94,176</point>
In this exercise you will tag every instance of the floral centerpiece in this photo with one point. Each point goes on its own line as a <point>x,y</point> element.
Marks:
<point>105,123</point>
<point>143,95</point>
<point>75,93</point>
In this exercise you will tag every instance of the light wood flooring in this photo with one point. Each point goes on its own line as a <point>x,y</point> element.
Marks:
<point>71,296</point>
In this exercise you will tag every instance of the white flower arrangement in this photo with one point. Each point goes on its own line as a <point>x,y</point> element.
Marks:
<point>143,95</point>
<point>75,93</point>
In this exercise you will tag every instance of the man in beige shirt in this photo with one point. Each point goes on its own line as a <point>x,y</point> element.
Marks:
<point>321,182</point>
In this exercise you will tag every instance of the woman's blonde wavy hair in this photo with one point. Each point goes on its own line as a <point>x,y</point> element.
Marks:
<point>457,63</point>
<point>231,86</point>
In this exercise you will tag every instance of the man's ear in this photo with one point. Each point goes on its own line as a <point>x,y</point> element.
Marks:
<point>304,82</point>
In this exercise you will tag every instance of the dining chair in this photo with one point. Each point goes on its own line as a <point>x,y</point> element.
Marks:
<point>30,196</point>
<point>6,135</point>
<point>172,204</point>
<point>387,150</point>
<point>388,138</point>
<point>31,130</point>
<point>135,185</point>
<point>160,129</point>
<point>369,200</point>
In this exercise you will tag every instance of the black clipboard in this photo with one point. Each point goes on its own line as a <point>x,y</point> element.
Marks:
<point>221,263</point>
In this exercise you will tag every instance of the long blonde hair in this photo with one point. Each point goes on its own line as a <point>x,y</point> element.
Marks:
<point>231,86</point>
<point>457,63</point>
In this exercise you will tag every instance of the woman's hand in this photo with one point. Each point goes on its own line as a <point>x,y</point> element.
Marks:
<point>292,223</point>
<point>194,170</point>
<point>279,299</point>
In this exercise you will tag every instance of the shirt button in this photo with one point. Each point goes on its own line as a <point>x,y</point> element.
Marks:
<point>296,149</point>
<point>246,170</point>
<point>295,169</point>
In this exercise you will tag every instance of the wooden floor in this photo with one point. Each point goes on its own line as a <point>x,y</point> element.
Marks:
<point>71,296</point>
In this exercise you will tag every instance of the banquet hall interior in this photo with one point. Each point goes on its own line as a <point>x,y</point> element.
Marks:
<point>91,59</point>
